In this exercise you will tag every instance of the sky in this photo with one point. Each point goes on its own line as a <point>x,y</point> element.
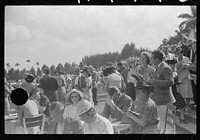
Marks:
<point>57,34</point>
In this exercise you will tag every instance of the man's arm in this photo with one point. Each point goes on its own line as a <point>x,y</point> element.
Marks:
<point>127,106</point>
<point>106,111</point>
<point>168,76</point>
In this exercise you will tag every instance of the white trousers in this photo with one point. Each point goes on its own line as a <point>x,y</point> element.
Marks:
<point>162,113</point>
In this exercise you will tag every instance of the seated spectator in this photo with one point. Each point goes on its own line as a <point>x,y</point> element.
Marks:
<point>74,97</point>
<point>147,120</point>
<point>116,104</point>
<point>60,124</point>
<point>94,123</point>
<point>28,110</point>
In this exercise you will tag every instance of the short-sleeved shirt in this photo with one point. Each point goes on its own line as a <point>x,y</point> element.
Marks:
<point>148,112</point>
<point>100,126</point>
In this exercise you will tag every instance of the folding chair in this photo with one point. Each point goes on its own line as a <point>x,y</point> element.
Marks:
<point>170,117</point>
<point>33,122</point>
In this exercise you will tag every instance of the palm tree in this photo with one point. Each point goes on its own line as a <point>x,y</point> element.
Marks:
<point>17,65</point>
<point>190,22</point>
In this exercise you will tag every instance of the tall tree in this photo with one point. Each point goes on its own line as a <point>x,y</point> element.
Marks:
<point>43,67</point>
<point>52,69</point>
<point>32,71</point>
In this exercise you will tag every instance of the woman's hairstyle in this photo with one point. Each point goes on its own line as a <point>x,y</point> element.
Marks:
<point>148,56</point>
<point>70,100</point>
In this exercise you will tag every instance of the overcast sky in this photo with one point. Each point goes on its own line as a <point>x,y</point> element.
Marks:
<point>59,34</point>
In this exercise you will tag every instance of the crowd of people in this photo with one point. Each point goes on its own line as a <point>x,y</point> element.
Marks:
<point>138,92</point>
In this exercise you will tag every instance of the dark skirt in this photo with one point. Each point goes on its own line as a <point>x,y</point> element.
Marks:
<point>180,102</point>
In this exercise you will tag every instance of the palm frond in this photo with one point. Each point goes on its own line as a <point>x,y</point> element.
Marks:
<point>182,24</point>
<point>185,16</point>
<point>193,10</point>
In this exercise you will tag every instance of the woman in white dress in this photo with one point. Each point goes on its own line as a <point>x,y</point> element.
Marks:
<point>186,88</point>
<point>74,97</point>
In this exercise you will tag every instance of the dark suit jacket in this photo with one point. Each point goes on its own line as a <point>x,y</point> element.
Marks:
<point>123,105</point>
<point>75,126</point>
<point>81,83</point>
<point>162,81</point>
<point>50,85</point>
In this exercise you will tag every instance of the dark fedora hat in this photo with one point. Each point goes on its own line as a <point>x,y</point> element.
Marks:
<point>142,85</point>
<point>29,78</point>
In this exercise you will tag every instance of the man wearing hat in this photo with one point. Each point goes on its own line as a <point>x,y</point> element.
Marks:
<point>79,80</point>
<point>116,104</point>
<point>62,83</point>
<point>49,84</point>
<point>94,123</point>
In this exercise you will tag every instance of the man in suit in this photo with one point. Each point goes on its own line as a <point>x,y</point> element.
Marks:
<point>162,80</point>
<point>60,124</point>
<point>49,84</point>
<point>117,104</point>
<point>62,83</point>
<point>79,80</point>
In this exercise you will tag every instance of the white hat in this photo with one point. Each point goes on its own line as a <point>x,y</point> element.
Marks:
<point>75,91</point>
<point>134,79</point>
<point>83,106</point>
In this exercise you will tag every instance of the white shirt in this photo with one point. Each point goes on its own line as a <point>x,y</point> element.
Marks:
<point>60,128</point>
<point>169,56</point>
<point>76,80</point>
<point>100,126</point>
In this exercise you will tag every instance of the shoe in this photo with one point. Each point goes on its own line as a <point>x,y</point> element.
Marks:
<point>183,121</point>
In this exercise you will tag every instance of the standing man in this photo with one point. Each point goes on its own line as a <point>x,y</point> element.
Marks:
<point>79,80</point>
<point>62,83</point>
<point>50,85</point>
<point>94,86</point>
<point>162,80</point>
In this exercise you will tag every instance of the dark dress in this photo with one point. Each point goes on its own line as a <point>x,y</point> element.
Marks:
<point>180,102</point>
